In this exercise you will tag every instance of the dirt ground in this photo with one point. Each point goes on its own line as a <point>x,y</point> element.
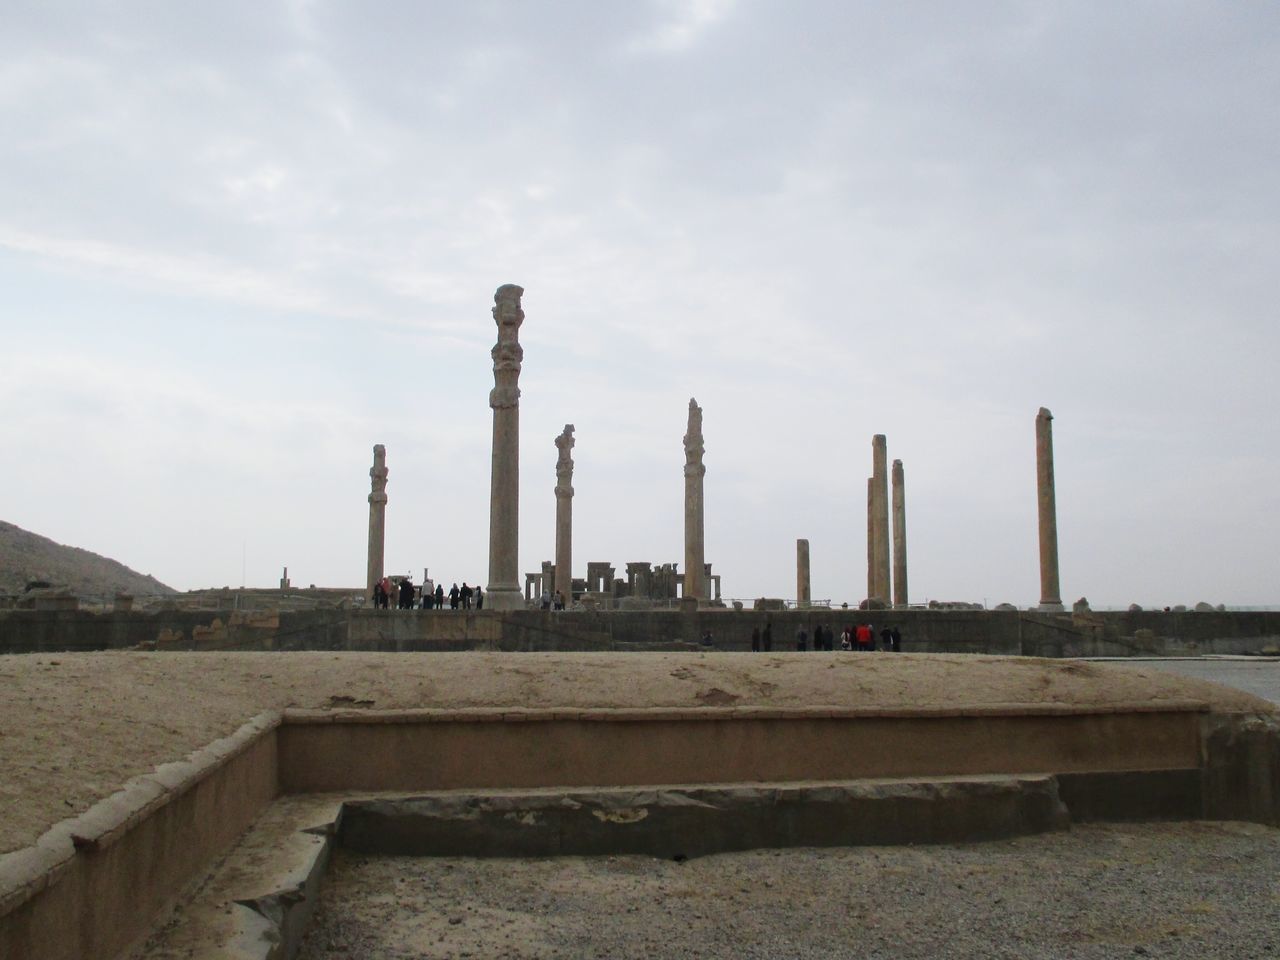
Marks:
<point>1099,891</point>
<point>75,727</point>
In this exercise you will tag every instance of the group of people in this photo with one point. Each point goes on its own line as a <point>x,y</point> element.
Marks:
<point>860,636</point>
<point>407,596</point>
<point>550,601</point>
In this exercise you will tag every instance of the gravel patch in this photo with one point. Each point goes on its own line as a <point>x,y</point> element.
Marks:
<point>1098,891</point>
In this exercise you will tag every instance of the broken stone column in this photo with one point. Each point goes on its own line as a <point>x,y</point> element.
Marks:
<point>503,591</point>
<point>1050,593</point>
<point>803,596</point>
<point>899,537</point>
<point>377,517</point>
<point>880,524</point>
<point>564,515</point>
<point>695,584</point>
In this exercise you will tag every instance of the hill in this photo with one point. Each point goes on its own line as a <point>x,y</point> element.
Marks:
<point>26,556</point>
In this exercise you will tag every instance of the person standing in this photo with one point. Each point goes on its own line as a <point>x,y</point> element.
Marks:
<point>802,639</point>
<point>479,597</point>
<point>439,596</point>
<point>466,596</point>
<point>454,596</point>
<point>755,639</point>
<point>544,602</point>
<point>886,638</point>
<point>896,639</point>
<point>767,638</point>
<point>406,594</point>
<point>846,638</point>
<point>862,636</point>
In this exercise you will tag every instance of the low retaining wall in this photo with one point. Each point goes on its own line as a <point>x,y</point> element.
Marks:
<point>477,749</point>
<point>923,631</point>
<point>92,886</point>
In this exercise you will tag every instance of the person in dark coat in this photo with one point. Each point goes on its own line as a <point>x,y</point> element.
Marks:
<point>406,594</point>
<point>896,639</point>
<point>767,637</point>
<point>466,596</point>
<point>802,639</point>
<point>755,639</point>
<point>439,596</point>
<point>479,597</point>
<point>886,638</point>
<point>454,595</point>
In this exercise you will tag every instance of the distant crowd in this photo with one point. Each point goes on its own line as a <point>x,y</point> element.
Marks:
<point>409,597</point>
<point>861,636</point>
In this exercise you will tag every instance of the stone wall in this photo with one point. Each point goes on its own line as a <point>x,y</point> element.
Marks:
<point>1149,633</point>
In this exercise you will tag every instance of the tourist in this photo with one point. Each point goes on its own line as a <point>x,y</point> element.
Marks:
<point>406,594</point>
<point>767,637</point>
<point>544,602</point>
<point>466,596</point>
<point>707,640</point>
<point>386,592</point>
<point>558,602</point>
<point>755,639</point>
<point>479,597</point>
<point>439,596</point>
<point>802,639</point>
<point>453,597</point>
<point>846,638</point>
<point>886,638</point>
<point>377,595</point>
<point>863,636</point>
<point>896,639</point>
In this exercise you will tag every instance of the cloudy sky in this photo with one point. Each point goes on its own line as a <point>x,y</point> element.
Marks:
<point>242,242</point>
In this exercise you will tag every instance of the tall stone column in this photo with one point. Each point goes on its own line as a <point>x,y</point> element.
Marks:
<point>899,537</point>
<point>871,537</point>
<point>880,525</point>
<point>1050,593</point>
<point>503,592</point>
<point>803,595</point>
<point>377,517</point>
<point>695,572</point>
<point>564,515</point>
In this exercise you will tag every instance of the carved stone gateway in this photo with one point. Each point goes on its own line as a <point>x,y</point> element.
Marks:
<point>377,517</point>
<point>564,515</point>
<point>503,592</point>
<point>1050,592</point>
<point>695,584</point>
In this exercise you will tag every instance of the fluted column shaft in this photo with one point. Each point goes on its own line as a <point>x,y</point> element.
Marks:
<point>377,518</point>
<point>880,525</point>
<point>899,537</point>
<point>564,515</point>
<point>503,591</point>
<point>694,547</point>
<point>803,590</point>
<point>1050,592</point>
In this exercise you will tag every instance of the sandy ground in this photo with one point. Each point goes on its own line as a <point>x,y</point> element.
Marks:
<point>75,727</point>
<point>1101,890</point>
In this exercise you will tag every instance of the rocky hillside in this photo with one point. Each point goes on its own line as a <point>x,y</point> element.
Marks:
<point>25,557</point>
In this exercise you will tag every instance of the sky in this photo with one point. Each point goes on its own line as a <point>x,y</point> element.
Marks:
<point>241,243</point>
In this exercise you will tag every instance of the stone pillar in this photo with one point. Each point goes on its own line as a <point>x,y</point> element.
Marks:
<point>871,547</point>
<point>694,564</point>
<point>377,517</point>
<point>880,521</point>
<point>1050,593</point>
<point>503,591</point>
<point>803,596</point>
<point>899,537</point>
<point>564,516</point>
